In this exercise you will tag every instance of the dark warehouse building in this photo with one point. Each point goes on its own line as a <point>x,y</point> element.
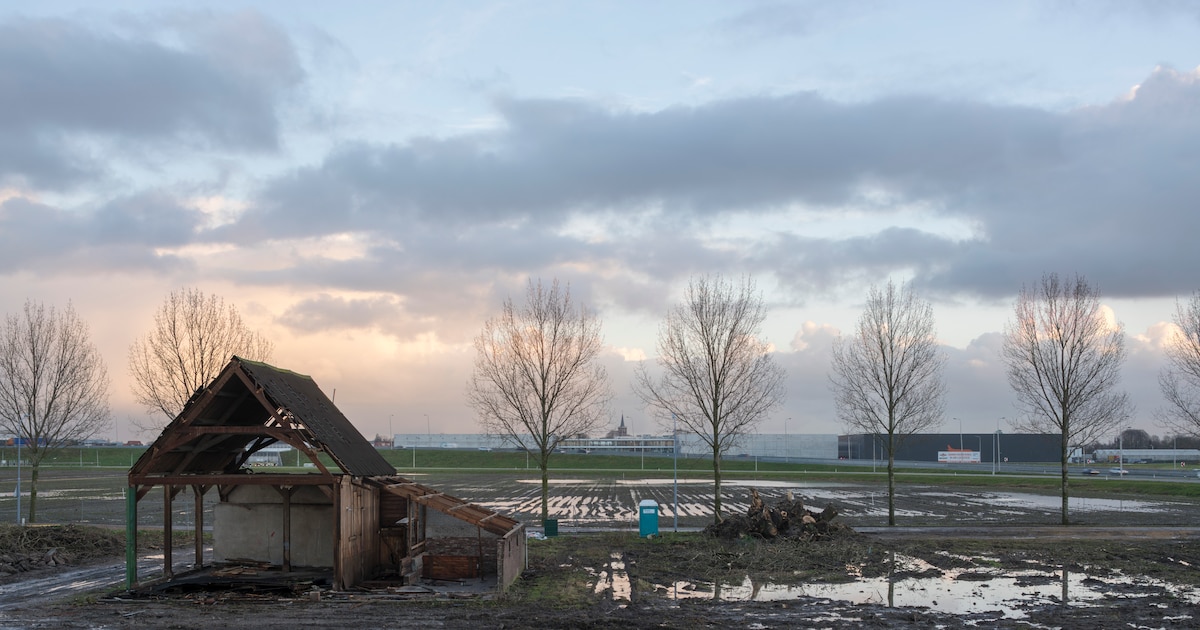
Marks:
<point>924,447</point>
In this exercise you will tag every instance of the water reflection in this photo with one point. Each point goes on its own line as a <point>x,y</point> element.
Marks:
<point>911,582</point>
<point>892,580</point>
<point>1065,581</point>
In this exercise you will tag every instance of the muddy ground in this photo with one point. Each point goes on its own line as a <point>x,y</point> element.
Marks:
<point>615,579</point>
<point>981,557</point>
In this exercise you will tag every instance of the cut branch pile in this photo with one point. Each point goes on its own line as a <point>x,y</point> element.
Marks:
<point>31,548</point>
<point>788,518</point>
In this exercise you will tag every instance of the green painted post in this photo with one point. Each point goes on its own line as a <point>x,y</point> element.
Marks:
<point>130,537</point>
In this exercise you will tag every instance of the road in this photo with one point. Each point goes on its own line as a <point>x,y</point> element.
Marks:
<point>30,589</point>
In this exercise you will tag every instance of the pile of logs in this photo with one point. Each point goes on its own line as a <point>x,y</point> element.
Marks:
<point>11,563</point>
<point>786,518</point>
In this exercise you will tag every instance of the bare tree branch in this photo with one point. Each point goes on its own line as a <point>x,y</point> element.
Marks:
<point>718,379</point>
<point>887,375</point>
<point>1180,379</point>
<point>53,384</point>
<point>1064,364</point>
<point>537,379</point>
<point>194,337</point>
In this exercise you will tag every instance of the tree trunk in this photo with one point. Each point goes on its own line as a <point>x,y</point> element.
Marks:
<point>891,486</point>
<point>545,465</point>
<point>716,485</point>
<point>33,479</point>
<point>1065,479</point>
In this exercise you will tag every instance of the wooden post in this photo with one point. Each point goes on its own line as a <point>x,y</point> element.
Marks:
<point>338,582</point>
<point>130,537</point>
<point>168,544</point>
<point>198,490</point>
<point>479,539</point>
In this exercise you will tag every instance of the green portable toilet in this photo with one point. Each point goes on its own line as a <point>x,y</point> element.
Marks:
<point>648,518</point>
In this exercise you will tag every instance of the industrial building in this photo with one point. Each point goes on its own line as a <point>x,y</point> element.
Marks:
<point>980,448</point>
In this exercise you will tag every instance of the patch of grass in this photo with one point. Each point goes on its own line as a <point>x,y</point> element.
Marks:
<point>698,558</point>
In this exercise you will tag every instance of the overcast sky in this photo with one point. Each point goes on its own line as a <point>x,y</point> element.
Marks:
<point>367,181</point>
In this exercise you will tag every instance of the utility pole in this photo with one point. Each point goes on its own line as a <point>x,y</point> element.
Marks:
<point>675,449</point>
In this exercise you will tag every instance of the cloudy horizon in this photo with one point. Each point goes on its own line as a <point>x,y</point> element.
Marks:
<point>368,183</point>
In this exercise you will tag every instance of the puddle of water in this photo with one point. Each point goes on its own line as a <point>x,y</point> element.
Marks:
<point>957,591</point>
<point>613,578</point>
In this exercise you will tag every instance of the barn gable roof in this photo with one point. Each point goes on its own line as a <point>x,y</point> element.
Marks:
<point>248,406</point>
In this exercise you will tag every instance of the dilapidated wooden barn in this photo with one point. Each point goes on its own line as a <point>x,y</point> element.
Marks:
<point>347,510</point>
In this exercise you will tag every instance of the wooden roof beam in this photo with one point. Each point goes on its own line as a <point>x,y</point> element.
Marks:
<point>274,479</point>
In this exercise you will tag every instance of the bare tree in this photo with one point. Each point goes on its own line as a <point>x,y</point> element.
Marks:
<point>887,375</point>
<point>193,338</point>
<point>537,377</point>
<point>718,378</point>
<point>53,384</point>
<point>1180,379</point>
<point>1064,364</point>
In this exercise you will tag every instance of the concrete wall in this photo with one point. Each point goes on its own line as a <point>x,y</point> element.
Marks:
<point>250,526</point>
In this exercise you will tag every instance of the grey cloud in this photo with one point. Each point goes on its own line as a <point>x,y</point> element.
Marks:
<point>558,158</point>
<point>326,312</point>
<point>64,81</point>
<point>1107,191</point>
<point>1118,206</point>
<point>760,20</point>
<point>122,234</point>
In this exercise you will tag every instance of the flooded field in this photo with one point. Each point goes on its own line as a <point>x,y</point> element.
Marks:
<point>98,497</point>
<point>589,503</point>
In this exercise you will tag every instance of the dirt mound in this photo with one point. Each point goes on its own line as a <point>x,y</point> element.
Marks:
<point>787,518</point>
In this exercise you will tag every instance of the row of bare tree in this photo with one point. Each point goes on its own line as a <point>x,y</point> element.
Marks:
<point>537,379</point>
<point>1142,439</point>
<point>54,383</point>
<point>1063,356</point>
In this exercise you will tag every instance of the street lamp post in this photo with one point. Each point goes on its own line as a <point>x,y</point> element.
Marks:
<point>999,459</point>
<point>995,451</point>
<point>391,432</point>
<point>19,440</point>
<point>786,450</point>
<point>960,435</point>
<point>675,449</point>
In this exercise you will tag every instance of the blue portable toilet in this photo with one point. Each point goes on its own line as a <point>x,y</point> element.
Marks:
<point>648,518</point>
